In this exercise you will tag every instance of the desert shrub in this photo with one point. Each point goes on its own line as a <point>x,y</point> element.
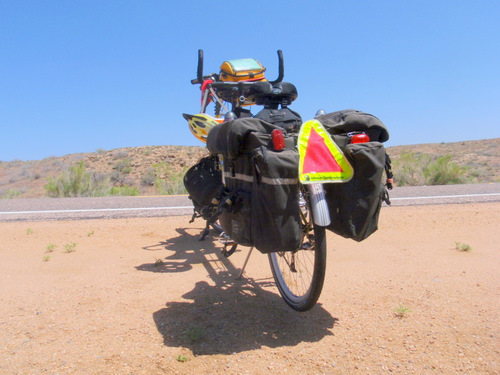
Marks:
<point>125,190</point>
<point>443,171</point>
<point>79,183</point>
<point>117,177</point>
<point>10,193</point>
<point>100,178</point>
<point>462,246</point>
<point>76,183</point>
<point>123,166</point>
<point>422,169</point>
<point>149,178</point>
<point>408,169</point>
<point>169,181</point>
<point>120,154</point>
<point>25,173</point>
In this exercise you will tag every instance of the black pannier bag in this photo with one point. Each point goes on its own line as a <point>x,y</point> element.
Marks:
<point>261,203</point>
<point>203,181</point>
<point>354,206</point>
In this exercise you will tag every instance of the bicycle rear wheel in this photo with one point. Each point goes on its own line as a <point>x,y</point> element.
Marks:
<point>299,274</point>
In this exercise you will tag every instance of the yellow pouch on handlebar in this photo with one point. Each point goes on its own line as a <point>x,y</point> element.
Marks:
<point>242,70</point>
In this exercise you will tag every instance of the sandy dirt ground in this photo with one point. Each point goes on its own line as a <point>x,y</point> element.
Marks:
<point>144,296</point>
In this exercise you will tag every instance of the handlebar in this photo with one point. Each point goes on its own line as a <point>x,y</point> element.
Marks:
<point>213,76</point>
<point>199,71</point>
<point>281,68</point>
<point>200,77</point>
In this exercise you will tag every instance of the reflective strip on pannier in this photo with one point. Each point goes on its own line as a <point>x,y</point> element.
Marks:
<point>266,180</point>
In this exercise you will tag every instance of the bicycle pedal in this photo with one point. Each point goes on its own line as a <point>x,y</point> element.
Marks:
<point>225,239</point>
<point>306,246</point>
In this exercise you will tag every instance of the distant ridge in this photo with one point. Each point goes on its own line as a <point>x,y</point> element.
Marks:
<point>133,165</point>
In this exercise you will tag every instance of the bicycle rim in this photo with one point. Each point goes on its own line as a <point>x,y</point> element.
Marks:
<point>299,275</point>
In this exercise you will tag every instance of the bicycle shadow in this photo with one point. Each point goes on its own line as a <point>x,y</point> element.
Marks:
<point>187,251</point>
<point>233,315</point>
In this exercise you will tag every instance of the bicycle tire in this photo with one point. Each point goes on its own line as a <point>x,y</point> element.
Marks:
<point>299,275</point>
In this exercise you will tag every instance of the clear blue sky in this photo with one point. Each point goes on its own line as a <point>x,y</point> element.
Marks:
<point>77,76</point>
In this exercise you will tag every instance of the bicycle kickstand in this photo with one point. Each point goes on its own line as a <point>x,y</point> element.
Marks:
<point>245,264</point>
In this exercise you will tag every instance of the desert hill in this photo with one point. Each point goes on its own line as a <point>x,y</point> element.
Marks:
<point>140,166</point>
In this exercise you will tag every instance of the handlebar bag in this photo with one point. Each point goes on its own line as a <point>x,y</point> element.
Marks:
<point>241,70</point>
<point>355,206</point>
<point>261,206</point>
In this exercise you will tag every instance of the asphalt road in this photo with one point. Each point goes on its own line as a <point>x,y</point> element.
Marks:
<point>123,207</point>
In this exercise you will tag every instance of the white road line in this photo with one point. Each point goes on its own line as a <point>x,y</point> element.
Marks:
<point>447,196</point>
<point>191,207</point>
<point>97,210</point>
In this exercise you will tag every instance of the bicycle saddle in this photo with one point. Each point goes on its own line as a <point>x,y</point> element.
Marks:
<point>265,93</point>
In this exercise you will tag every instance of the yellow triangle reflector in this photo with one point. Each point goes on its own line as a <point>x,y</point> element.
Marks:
<point>321,160</point>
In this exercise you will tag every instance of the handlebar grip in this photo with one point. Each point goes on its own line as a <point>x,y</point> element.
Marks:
<point>281,67</point>
<point>199,75</point>
<point>195,81</point>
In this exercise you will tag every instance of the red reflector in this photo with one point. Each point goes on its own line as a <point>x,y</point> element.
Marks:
<point>278,139</point>
<point>360,138</point>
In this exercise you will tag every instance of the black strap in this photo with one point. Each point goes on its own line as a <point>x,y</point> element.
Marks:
<point>388,171</point>
<point>385,196</point>
<point>243,73</point>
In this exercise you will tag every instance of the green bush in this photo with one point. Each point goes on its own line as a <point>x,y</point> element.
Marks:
<point>123,166</point>
<point>124,190</point>
<point>443,171</point>
<point>408,169</point>
<point>118,178</point>
<point>168,181</point>
<point>9,194</point>
<point>149,178</point>
<point>76,183</point>
<point>423,169</point>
